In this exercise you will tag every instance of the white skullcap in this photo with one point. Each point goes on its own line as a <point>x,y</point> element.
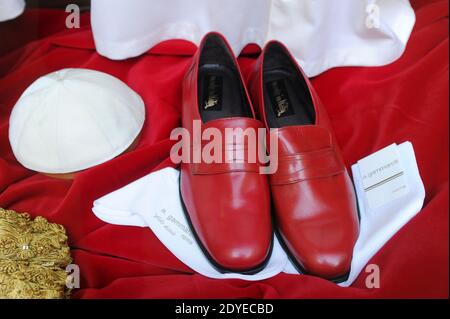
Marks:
<point>73,119</point>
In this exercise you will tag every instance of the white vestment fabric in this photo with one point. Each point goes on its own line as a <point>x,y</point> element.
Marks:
<point>11,9</point>
<point>321,34</point>
<point>154,201</point>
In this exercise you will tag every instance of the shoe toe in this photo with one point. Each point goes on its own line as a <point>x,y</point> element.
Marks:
<point>328,265</point>
<point>242,257</point>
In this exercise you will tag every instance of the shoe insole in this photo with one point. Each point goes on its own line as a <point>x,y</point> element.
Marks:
<point>220,93</point>
<point>287,101</point>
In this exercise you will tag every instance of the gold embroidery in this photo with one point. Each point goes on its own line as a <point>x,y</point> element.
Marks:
<point>33,257</point>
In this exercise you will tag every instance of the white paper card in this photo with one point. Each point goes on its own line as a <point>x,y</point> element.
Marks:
<point>383,176</point>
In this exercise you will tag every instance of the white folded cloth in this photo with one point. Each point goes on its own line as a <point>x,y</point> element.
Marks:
<point>154,201</point>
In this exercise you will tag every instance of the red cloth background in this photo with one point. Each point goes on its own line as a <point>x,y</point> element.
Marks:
<point>369,108</point>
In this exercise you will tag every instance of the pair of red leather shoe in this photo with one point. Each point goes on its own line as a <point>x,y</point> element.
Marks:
<point>230,204</point>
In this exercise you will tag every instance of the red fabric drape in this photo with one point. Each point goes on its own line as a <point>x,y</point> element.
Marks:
<point>369,107</point>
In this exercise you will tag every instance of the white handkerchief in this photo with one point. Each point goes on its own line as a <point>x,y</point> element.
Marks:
<point>154,201</point>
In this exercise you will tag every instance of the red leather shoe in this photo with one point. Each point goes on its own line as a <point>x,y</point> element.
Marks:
<point>227,204</point>
<point>313,196</point>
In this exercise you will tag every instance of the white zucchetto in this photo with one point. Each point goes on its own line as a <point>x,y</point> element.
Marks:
<point>73,119</point>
